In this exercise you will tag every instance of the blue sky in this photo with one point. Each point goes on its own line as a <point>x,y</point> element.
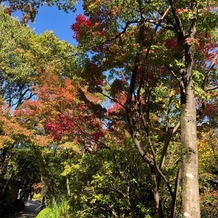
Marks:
<point>50,18</point>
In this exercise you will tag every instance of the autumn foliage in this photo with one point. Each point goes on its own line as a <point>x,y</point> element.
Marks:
<point>140,81</point>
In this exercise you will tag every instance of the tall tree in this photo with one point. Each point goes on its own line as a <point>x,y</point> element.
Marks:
<point>149,51</point>
<point>25,56</point>
<point>26,59</point>
<point>29,8</point>
<point>147,57</point>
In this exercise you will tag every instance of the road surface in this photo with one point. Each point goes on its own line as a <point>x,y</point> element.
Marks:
<point>31,210</point>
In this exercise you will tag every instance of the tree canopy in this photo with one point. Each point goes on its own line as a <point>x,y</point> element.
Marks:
<point>125,117</point>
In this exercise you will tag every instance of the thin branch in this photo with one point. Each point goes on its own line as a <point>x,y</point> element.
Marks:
<point>208,73</point>
<point>169,26</point>
<point>173,206</point>
<point>176,127</point>
<point>117,35</point>
<point>123,31</point>
<point>144,155</point>
<point>178,21</point>
<point>154,162</point>
<point>211,88</point>
<point>128,23</point>
<point>149,46</point>
<point>169,134</point>
<point>173,73</point>
<point>157,168</point>
<point>111,99</point>
<point>193,19</point>
<point>133,79</point>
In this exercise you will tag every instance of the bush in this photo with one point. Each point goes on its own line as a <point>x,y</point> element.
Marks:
<point>37,197</point>
<point>57,210</point>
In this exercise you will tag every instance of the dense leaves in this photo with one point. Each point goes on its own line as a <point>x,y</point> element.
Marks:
<point>30,8</point>
<point>151,55</point>
<point>110,115</point>
<point>26,56</point>
<point>110,183</point>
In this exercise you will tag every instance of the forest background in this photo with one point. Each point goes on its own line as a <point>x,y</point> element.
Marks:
<point>108,126</point>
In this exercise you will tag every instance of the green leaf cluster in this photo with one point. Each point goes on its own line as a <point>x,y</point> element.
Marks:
<point>108,184</point>
<point>24,56</point>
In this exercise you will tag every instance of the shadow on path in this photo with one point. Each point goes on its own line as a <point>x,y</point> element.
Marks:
<point>31,210</point>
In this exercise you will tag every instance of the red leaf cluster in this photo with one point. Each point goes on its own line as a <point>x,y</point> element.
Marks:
<point>114,108</point>
<point>81,22</point>
<point>171,43</point>
<point>59,127</point>
<point>7,11</point>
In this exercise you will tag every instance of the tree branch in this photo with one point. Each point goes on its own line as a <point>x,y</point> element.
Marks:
<point>211,88</point>
<point>149,46</point>
<point>208,73</point>
<point>178,21</point>
<point>117,35</point>
<point>177,181</point>
<point>111,99</point>
<point>157,168</point>
<point>169,134</point>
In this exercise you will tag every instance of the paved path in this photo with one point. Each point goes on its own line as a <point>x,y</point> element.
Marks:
<point>31,210</point>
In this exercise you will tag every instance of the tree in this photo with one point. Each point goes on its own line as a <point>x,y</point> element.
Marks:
<point>149,51</point>
<point>15,70</point>
<point>147,58</point>
<point>208,171</point>
<point>25,56</point>
<point>29,8</point>
<point>43,98</point>
<point>109,183</point>
<point>25,60</point>
<point>11,134</point>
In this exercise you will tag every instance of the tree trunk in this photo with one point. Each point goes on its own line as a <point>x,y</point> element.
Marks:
<point>157,197</point>
<point>190,186</point>
<point>68,184</point>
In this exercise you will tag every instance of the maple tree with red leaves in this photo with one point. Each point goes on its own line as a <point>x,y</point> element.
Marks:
<point>155,48</point>
<point>63,115</point>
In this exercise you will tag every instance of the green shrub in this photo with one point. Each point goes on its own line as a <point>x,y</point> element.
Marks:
<point>57,210</point>
<point>37,197</point>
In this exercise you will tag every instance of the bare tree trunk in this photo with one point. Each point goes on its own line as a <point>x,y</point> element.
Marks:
<point>156,193</point>
<point>68,184</point>
<point>189,151</point>
<point>190,186</point>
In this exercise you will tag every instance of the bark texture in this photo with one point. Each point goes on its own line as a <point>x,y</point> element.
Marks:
<point>189,151</point>
<point>190,186</point>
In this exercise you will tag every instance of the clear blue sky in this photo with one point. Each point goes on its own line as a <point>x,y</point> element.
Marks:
<point>50,18</point>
